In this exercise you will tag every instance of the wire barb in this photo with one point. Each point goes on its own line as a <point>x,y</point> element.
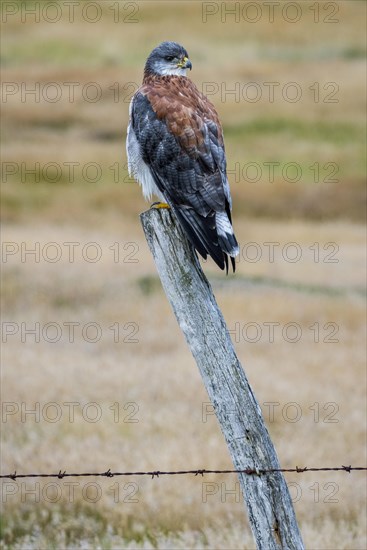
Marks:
<point>157,473</point>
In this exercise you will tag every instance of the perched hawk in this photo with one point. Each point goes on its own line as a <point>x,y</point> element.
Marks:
<point>175,150</point>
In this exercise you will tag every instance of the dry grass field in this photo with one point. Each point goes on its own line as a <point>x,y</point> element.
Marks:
<point>106,370</point>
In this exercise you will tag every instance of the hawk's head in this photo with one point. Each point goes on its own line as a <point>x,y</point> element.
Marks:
<point>168,58</point>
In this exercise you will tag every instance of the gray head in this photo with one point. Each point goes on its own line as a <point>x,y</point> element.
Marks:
<point>168,58</point>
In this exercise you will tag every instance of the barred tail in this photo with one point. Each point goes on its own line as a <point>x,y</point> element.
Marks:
<point>212,234</point>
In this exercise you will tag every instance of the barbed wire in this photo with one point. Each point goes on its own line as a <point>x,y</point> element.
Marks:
<point>158,473</point>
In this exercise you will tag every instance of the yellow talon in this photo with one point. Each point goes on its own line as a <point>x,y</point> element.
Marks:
<point>160,205</point>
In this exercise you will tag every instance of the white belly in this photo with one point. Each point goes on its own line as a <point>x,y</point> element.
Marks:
<point>138,169</point>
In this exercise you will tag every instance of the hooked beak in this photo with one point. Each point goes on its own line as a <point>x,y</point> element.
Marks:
<point>185,63</point>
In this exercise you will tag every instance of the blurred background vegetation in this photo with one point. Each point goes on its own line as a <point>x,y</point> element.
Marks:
<point>297,174</point>
<point>239,64</point>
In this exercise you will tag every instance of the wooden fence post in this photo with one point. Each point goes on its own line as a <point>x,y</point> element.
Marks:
<point>268,501</point>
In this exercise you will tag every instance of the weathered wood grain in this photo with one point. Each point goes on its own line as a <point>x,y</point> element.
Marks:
<point>268,501</point>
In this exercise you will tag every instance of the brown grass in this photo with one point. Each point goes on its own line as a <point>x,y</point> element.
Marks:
<point>157,374</point>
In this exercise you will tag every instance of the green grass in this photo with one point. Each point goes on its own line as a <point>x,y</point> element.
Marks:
<point>51,51</point>
<point>337,133</point>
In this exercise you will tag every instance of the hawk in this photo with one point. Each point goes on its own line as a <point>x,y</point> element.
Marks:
<point>175,151</point>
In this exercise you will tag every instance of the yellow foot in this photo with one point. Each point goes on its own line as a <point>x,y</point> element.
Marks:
<point>159,205</point>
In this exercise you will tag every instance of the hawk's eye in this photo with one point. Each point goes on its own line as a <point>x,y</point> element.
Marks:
<point>169,58</point>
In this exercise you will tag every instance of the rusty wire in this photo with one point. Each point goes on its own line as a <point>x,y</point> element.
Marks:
<point>157,473</point>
